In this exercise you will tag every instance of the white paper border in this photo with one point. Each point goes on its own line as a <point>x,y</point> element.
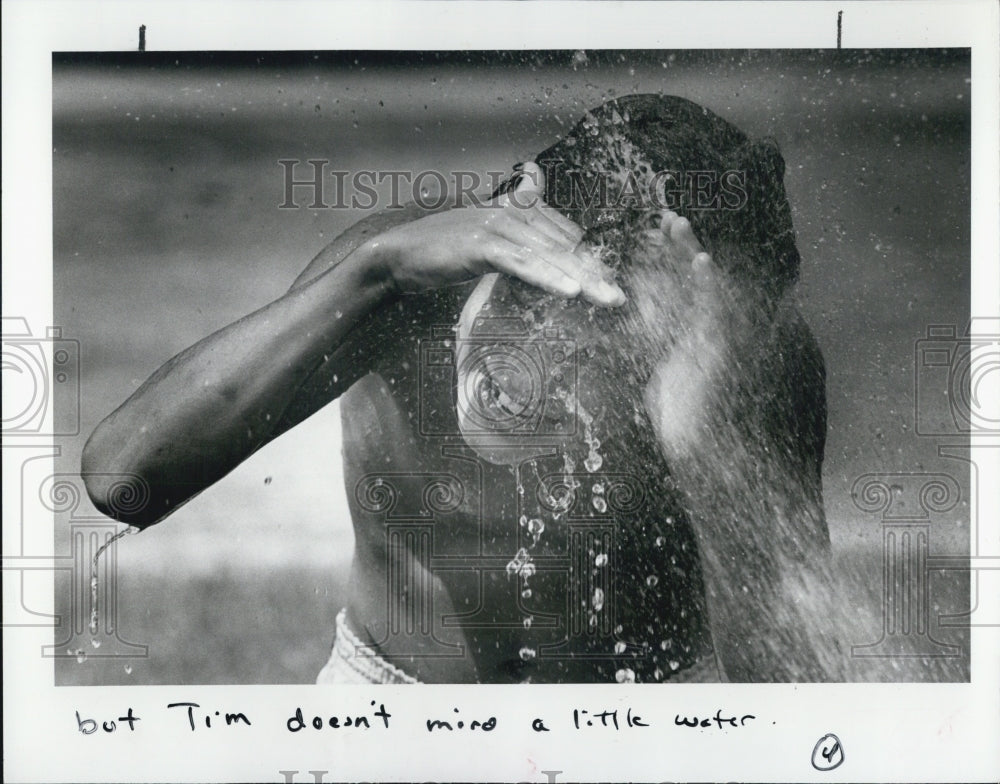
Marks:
<point>892,732</point>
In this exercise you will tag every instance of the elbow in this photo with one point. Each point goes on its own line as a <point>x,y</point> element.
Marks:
<point>117,489</point>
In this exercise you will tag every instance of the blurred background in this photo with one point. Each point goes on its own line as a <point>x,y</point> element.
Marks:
<point>167,227</point>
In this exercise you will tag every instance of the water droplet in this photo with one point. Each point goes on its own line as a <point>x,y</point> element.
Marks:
<point>128,669</point>
<point>652,580</point>
<point>519,562</point>
<point>598,488</point>
<point>619,629</point>
<point>675,665</point>
<point>625,675</point>
<point>338,314</point>
<point>620,647</point>
<point>601,560</point>
<point>658,674</point>
<point>593,462</point>
<point>592,621</point>
<point>660,541</point>
<point>81,656</point>
<point>526,593</point>
<point>527,654</point>
<point>523,521</point>
<point>599,503</point>
<point>597,601</point>
<point>528,570</point>
<point>96,643</point>
<point>527,622</point>
<point>664,644</point>
<point>535,527</point>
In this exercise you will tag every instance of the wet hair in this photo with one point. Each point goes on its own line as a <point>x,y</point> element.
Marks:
<point>637,140</point>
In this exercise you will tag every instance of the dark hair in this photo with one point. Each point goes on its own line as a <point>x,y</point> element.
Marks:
<point>647,134</point>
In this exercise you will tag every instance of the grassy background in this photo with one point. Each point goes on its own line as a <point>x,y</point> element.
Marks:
<point>166,228</point>
<point>274,626</point>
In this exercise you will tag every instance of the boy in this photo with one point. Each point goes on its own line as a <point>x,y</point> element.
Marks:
<point>598,461</point>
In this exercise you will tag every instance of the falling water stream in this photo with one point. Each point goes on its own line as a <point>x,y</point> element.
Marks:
<point>94,625</point>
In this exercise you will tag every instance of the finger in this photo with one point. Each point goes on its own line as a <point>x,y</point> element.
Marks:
<point>502,255</point>
<point>589,260</point>
<point>703,270</point>
<point>667,218</point>
<point>532,182</point>
<point>682,233</point>
<point>520,232</point>
<point>533,178</point>
<point>539,217</point>
<point>530,187</point>
<point>577,265</point>
<point>603,292</point>
<point>563,223</point>
<point>596,280</point>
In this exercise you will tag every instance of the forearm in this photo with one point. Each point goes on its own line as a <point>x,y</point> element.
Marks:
<point>210,407</point>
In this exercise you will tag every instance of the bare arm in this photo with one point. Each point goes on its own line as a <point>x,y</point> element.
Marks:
<point>216,403</point>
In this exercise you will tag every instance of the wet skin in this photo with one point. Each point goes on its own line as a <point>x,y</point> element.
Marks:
<point>477,610</point>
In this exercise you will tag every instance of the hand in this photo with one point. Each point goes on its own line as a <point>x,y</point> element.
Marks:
<point>680,300</point>
<point>516,234</point>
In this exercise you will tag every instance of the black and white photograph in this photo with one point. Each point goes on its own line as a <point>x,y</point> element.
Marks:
<point>622,344</point>
<point>653,368</point>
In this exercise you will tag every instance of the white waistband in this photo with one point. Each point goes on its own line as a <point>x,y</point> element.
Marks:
<point>352,661</point>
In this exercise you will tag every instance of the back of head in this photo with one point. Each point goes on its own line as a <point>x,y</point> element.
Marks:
<point>639,153</point>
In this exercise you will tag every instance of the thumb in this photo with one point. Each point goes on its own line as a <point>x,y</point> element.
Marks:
<point>530,185</point>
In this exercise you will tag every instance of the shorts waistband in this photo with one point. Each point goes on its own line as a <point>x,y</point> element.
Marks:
<point>354,661</point>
